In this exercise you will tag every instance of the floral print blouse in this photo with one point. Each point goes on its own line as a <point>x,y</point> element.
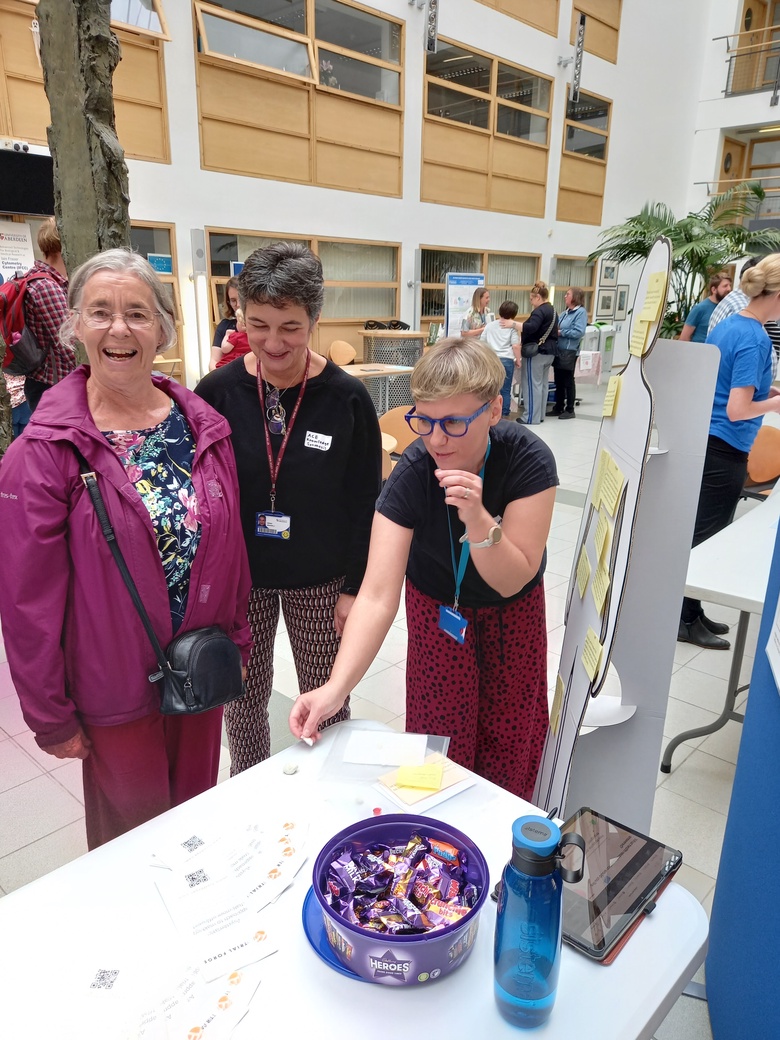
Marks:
<point>158,461</point>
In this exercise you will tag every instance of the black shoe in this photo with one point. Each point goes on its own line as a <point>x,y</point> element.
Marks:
<point>566,415</point>
<point>718,628</point>
<point>522,422</point>
<point>698,634</point>
<point>556,411</point>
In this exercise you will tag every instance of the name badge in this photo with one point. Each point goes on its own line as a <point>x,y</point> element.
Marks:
<point>320,441</point>
<point>272,525</point>
<point>453,623</point>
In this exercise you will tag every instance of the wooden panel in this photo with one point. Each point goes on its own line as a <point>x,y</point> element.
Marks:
<point>256,153</point>
<point>512,196</point>
<point>141,130</point>
<point>18,47</point>
<point>454,186</point>
<point>543,15</point>
<point>601,38</point>
<point>582,175</point>
<point>29,110</point>
<point>607,11</point>
<point>446,141</point>
<point>578,208</point>
<point>137,75</point>
<point>736,149</point>
<point>226,93</point>
<point>515,159</point>
<point>358,170</point>
<point>350,122</point>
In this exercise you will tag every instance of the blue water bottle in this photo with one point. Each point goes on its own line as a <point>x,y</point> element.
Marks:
<point>528,926</point>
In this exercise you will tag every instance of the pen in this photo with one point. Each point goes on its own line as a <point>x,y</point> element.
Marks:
<point>553,813</point>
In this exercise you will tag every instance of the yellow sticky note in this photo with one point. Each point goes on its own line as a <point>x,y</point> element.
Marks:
<point>611,398</point>
<point>611,485</point>
<point>591,653</point>
<point>599,587</point>
<point>638,341</point>
<point>583,571</point>
<point>602,536</point>
<point>555,713</point>
<point>427,776</point>
<point>654,298</point>
<point>604,458</point>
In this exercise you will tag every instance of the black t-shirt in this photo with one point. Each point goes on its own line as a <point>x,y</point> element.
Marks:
<point>535,326</point>
<point>519,465</point>
<point>328,481</point>
<point>225,326</point>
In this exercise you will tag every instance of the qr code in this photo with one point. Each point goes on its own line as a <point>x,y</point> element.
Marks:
<point>104,979</point>
<point>197,877</point>
<point>192,843</point>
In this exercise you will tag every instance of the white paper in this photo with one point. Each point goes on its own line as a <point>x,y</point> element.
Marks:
<point>373,748</point>
<point>434,798</point>
<point>773,647</point>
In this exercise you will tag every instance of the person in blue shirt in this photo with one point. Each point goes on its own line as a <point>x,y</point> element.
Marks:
<point>571,328</point>
<point>697,322</point>
<point>743,396</point>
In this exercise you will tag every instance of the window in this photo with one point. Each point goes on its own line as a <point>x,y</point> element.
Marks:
<point>157,241</point>
<point>485,92</point>
<point>587,127</point>
<point>508,276</point>
<point>568,271</point>
<point>237,38</point>
<point>140,15</point>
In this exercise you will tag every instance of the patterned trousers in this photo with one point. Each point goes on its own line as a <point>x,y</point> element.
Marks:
<point>308,615</point>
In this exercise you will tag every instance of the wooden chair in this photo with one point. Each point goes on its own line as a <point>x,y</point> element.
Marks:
<point>763,464</point>
<point>341,353</point>
<point>387,464</point>
<point>393,422</point>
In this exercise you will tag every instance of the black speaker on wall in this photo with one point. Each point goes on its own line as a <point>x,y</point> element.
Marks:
<point>26,183</point>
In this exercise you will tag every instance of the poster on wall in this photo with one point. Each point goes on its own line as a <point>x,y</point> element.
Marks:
<point>16,248</point>
<point>458,294</point>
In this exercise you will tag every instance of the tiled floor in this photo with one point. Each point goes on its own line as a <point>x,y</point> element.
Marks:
<point>41,803</point>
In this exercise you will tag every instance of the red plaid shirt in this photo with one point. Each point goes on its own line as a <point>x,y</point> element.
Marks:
<point>45,309</point>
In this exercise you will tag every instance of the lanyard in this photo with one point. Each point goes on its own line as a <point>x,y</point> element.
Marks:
<point>465,549</point>
<point>274,467</point>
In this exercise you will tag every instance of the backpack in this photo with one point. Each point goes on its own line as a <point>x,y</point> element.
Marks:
<point>23,352</point>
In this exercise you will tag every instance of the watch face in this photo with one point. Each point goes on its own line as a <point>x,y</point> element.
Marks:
<point>495,534</point>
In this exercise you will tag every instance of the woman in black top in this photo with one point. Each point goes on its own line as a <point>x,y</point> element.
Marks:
<point>228,323</point>
<point>534,374</point>
<point>308,454</point>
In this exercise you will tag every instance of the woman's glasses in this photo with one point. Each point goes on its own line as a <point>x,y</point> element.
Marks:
<point>452,425</point>
<point>274,411</point>
<point>100,318</point>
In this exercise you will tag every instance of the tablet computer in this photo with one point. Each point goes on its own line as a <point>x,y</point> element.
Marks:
<point>624,873</point>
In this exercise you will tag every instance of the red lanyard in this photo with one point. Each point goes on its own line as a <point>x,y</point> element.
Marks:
<point>275,466</point>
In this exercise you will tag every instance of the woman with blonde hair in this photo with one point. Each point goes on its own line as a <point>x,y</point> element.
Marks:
<point>743,396</point>
<point>478,315</point>
<point>464,517</point>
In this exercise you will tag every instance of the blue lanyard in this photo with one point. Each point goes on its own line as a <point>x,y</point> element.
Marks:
<point>459,570</point>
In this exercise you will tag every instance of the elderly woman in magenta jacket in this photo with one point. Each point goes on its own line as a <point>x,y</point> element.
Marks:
<point>80,659</point>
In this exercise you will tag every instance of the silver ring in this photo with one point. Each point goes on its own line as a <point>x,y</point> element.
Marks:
<point>466,492</point>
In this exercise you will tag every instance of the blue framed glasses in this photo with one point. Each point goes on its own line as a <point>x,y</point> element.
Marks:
<point>452,425</point>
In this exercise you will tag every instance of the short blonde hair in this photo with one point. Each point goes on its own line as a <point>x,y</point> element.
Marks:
<point>763,279</point>
<point>49,238</point>
<point>457,366</point>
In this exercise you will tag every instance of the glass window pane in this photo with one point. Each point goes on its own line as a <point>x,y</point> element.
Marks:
<point>520,296</point>
<point>222,249</point>
<point>566,272</point>
<point>523,88</point>
<point>290,15</point>
<point>346,302</point>
<point>766,153</point>
<point>357,30</point>
<point>146,240</point>
<point>583,142</point>
<point>432,303</point>
<point>463,108</point>
<point>140,13</point>
<point>589,111</point>
<point>511,270</point>
<point>357,262</point>
<point>460,66</point>
<point>436,264</point>
<point>261,48</point>
<point>358,77</point>
<point>527,127</point>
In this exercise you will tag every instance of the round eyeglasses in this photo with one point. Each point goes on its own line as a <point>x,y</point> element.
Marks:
<point>100,318</point>
<point>452,425</point>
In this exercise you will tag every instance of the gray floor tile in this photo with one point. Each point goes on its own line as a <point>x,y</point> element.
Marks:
<point>42,856</point>
<point>34,809</point>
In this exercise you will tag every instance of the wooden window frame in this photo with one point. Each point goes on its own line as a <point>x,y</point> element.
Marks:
<point>593,130</point>
<point>486,254</point>
<point>172,280</point>
<point>126,27</point>
<point>592,288</point>
<point>492,97</point>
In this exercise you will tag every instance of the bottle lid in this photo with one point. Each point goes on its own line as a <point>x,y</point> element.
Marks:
<point>535,842</point>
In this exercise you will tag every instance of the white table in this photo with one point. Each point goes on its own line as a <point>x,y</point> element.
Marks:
<point>732,568</point>
<point>105,902</point>
<point>384,374</point>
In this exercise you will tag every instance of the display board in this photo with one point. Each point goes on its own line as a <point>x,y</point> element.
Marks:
<point>459,293</point>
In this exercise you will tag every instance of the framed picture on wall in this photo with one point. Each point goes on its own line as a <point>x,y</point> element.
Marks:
<point>605,303</point>
<point>621,302</point>
<point>608,275</point>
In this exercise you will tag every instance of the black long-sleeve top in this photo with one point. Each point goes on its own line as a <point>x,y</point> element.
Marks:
<point>328,482</point>
<point>535,326</point>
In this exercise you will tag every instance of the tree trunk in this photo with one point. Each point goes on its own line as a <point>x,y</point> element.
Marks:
<point>79,54</point>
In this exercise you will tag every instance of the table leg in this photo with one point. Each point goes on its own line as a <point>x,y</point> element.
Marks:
<point>733,690</point>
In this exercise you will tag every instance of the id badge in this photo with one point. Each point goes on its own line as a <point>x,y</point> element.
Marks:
<point>453,623</point>
<point>272,525</point>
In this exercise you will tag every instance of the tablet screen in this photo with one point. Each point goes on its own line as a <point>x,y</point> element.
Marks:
<point>623,871</point>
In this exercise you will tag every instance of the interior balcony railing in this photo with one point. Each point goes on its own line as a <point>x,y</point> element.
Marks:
<point>753,62</point>
<point>766,209</point>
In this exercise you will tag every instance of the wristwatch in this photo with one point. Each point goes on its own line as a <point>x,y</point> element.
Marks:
<point>494,536</point>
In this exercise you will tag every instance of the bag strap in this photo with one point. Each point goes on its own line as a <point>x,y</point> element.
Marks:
<point>90,482</point>
<point>549,330</point>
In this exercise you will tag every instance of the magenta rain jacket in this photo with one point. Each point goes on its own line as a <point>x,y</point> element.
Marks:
<point>75,643</point>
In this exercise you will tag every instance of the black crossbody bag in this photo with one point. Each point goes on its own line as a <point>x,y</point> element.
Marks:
<point>199,670</point>
<point>529,350</point>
